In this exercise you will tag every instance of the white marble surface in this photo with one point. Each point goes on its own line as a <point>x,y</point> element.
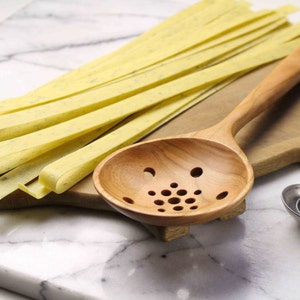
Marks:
<point>69,253</point>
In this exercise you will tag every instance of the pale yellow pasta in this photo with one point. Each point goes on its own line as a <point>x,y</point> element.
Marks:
<point>18,123</point>
<point>188,36</point>
<point>46,136</point>
<point>10,181</point>
<point>64,173</point>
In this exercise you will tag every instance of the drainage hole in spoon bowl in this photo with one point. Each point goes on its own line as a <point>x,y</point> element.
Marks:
<point>222,195</point>
<point>149,172</point>
<point>174,200</point>
<point>190,200</point>
<point>181,192</point>
<point>196,172</point>
<point>178,208</point>
<point>159,202</point>
<point>128,200</point>
<point>166,192</point>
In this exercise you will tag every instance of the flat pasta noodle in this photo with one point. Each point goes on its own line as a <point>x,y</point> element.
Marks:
<point>24,148</point>
<point>34,189</point>
<point>239,15</point>
<point>64,85</point>
<point>141,125</point>
<point>140,86</point>
<point>127,132</point>
<point>21,149</point>
<point>64,173</point>
<point>18,123</point>
<point>10,181</point>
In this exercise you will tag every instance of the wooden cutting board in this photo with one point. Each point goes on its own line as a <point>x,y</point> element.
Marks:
<point>271,141</point>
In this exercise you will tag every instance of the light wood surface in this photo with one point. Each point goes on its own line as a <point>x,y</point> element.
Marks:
<point>271,142</point>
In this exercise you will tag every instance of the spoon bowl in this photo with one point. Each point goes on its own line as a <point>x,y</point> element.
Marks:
<point>175,179</point>
<point>195,177</point>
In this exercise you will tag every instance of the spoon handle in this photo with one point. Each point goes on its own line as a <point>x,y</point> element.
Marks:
<point>283,78</point>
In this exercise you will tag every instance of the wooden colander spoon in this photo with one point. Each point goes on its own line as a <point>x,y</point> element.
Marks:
<point>195,177</point>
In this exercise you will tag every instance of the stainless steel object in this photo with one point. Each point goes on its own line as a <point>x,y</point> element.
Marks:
<point>291,200</point>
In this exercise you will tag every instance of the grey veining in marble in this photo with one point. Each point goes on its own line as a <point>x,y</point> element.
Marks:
<point>71,253</point>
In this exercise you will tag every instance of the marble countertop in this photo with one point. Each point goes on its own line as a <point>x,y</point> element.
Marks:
<point>71,253</point>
